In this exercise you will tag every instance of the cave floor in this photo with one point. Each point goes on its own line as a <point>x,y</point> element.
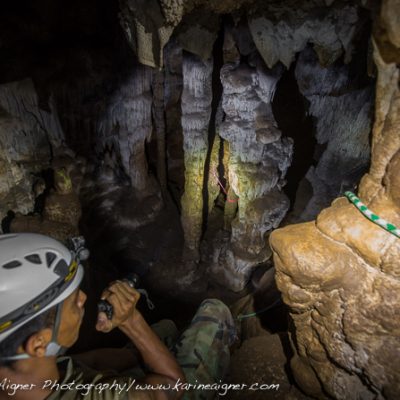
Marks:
<point>262,352</point>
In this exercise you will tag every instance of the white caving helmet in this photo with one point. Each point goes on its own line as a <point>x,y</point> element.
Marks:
<point>36,274</point>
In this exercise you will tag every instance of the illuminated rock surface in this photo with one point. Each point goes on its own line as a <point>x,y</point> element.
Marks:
<point>258,161</point>
<point>340,274</point>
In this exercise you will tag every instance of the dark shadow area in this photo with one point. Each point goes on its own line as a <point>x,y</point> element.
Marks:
<point>216,98</point>
<point>46,178</point>
<point>6,222</point>
<point>287,348</point>
<point>290,111</point>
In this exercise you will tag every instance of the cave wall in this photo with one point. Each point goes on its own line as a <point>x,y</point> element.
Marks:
<point>341,106</point>
<point>154,132</point>
<point>29,136</point>
<point>341,280</point>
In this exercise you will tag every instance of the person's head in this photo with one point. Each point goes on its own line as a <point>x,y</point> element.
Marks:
<point>41,306</point>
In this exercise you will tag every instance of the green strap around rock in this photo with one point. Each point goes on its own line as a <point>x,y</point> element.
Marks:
<point>371,216</point>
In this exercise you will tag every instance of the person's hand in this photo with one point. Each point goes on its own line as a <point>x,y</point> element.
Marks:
<point>123,298</point>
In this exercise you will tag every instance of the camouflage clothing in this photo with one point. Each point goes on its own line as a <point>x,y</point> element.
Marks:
<point>202,351</point>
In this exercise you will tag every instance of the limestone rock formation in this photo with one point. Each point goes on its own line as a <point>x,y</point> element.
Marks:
<point>196,112</point>
<point>340,274</point>
<point>279,30</point>
<point>28,137</point>
<point>259,158</point>
<point>126,126</point>
<point>61,213</point>
<point>282,30</point>
<point>148,25</point>
<point>342,110</point>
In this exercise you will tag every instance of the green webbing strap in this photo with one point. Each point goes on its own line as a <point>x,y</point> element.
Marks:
<point>244,316</point>
<point>371,216</point>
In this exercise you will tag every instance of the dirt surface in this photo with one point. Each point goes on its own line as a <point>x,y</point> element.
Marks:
<point>261,364</point>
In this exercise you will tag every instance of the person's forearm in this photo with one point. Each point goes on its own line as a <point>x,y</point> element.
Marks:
<point>155,354</point>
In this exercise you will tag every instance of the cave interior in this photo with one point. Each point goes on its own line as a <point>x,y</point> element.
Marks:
<point>177,136</point>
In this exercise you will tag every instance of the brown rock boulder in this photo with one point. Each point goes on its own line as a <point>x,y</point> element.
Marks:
<point>340,274</point>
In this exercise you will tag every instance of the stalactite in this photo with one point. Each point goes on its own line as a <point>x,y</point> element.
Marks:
<point>196,111</point>
<point>127,123</point>
<point>330,29</point>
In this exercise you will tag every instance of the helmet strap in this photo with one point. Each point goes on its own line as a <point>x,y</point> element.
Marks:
<point>53,348</point>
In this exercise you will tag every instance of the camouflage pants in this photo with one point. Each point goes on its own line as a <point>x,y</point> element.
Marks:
<point>203,349</point>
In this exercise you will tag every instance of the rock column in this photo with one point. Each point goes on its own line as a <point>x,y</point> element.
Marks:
<point>196,112</point>
<point>259,158</point>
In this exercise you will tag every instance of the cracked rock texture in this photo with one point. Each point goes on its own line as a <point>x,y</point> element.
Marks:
<point>339,275</point>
